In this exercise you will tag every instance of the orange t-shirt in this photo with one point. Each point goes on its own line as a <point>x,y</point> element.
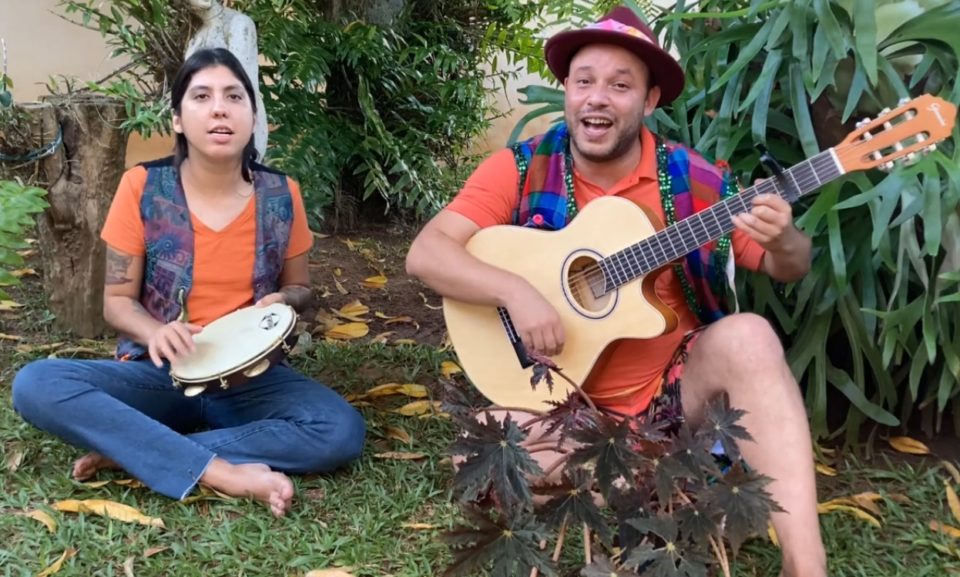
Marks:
<point>629,372</point>
<point>222,260</point>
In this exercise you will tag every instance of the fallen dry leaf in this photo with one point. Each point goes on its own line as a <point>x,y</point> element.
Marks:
<point>340,288</point>
<point>96,484</point>
<point>44,518</point>
<point>449,368</point>
<point>13,460</point>
<point>868,502</point>
<point>427,304</point>
<point>952,469</point>
<point>400,456</point>
<point>153,551</point>
<point>345,572</point>
<point>131,483</point>
<point>953,502</point>
<point>118,511</point>
<point>402,319</point>
<point>772,533</point>
<point>58,564</point>
<point>398,434</point>
<point>73,351</point>
<point>909,446</point>
<point>865,501</point>
<point>381,338</point>
<point>404,342</point>
<point>320,235</point>
<point>945,529</point>
<point>375,282</point>
<point>27,349</point>
<point>128,567</point>
<point>824,508</point>
<point>353,310</point>
<point>419,526</point>
<point>408,389</point>
<point>347,331</point>
<point>826,470</point>
<point>9,305</point>
<point>22,272</point>
<point>5,337</point>
<point>419,408</point>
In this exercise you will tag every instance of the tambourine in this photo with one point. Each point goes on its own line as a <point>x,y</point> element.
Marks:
<point>236,348</point>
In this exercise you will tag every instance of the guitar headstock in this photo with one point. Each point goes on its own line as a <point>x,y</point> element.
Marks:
<point>899,135</point>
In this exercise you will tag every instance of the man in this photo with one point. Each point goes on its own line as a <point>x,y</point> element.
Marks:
<point>615,73</point>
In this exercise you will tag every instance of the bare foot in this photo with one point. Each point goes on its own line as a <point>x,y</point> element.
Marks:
<point>254,480</point>
<point>90,464</point>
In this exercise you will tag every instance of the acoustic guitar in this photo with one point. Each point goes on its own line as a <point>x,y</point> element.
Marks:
<point>599,270</point>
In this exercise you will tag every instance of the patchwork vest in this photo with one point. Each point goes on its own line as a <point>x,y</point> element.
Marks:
<point>168,235</point>
<point>546,201</point>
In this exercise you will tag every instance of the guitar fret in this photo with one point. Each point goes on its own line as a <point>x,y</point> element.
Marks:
<point>686,235</point>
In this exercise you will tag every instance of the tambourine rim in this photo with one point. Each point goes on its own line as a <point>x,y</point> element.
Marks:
<point>237,368</point>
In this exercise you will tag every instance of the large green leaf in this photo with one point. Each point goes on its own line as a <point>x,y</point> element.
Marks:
<point>940,24</point>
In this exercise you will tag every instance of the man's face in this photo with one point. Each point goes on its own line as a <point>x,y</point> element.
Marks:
<point>607,97</point>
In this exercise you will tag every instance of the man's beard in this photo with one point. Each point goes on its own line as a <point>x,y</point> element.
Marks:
<point>624,141</point>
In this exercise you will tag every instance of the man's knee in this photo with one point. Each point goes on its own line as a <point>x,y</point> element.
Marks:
<point>742,336</point>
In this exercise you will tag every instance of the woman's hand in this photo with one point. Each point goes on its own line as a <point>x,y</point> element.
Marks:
<point>272,298</point>
<point>172,341</point>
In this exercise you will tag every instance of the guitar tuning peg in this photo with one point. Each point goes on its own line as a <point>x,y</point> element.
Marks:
<point>863,122</point>
<point>911,158</point>
<point>931,148</point>
<point>903,101</point>
<point>889,165</point>
<point>885,111</point>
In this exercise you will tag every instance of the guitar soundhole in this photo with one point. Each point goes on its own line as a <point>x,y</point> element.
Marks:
<point>585,284</point>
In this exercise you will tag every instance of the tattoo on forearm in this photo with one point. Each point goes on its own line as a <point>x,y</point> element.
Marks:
<point>117,267</point>
<point>297,296</point>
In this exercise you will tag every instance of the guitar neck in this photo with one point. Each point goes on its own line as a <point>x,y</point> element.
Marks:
<point>710,224</point>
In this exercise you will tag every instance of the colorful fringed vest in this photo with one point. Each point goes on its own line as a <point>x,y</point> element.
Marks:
<point>168,235</point>
<point>547,202</point>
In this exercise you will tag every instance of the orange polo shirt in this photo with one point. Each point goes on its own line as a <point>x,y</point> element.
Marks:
<point>222,260</point>
<point>629,372</point>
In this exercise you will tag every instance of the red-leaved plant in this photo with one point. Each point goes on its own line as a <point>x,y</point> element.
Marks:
<point>653,500</point>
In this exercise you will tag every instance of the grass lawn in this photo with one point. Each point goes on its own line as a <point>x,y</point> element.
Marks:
<point>381,516</point>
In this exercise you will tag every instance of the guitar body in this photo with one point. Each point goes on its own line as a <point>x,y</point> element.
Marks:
<point>554,263</point>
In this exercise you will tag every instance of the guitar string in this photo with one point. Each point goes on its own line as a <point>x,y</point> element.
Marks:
<point>594,275</point>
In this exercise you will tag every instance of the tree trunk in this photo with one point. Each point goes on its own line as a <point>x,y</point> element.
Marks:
<point>81,177</point>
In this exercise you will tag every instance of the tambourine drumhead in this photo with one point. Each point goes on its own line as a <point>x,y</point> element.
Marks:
<point>234,340</point>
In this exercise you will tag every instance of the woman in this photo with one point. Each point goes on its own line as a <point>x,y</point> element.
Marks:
<point>213,231</point>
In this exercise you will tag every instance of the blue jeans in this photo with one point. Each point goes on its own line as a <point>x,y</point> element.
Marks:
<point>130,413</point>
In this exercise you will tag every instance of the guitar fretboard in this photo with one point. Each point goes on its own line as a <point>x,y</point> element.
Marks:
<point>710,224</point>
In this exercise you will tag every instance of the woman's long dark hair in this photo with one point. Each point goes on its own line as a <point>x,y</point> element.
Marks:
<point>201,60</point>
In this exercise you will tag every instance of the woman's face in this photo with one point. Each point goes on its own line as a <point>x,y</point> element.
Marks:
<point>216,114</point>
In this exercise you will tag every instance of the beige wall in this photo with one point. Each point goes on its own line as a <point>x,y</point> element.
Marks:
<point>41,44</point>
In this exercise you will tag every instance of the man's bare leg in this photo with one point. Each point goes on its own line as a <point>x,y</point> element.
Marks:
<point>741,356</point>
<point>254,480</point>
<point>87,466</point>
